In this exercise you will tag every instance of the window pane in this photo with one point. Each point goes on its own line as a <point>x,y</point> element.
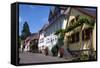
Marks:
<point>77,37</point>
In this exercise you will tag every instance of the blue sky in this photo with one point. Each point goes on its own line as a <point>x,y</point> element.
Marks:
<point>35,15</point>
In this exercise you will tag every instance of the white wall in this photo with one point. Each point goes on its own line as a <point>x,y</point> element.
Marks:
<point>58,24</point>
<point>47,41</point>
<point>64,23</point>
<point>5,34</point>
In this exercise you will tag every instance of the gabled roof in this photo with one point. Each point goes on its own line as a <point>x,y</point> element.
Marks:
<point>44,27</point>
<point>32,37</point>
<point>87,11</point>
<point>53,10</point>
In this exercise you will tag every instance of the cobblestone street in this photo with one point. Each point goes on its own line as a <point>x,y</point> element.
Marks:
<point>28,57</point>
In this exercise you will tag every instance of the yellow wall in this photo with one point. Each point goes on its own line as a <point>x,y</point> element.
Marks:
<point>94,37</point>
<point>75,46</point>
<point>78,45</point>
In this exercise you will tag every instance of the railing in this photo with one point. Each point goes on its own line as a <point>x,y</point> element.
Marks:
<point>84,54</point>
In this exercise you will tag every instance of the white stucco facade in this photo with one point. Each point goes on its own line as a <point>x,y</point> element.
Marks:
<point>48,37</point>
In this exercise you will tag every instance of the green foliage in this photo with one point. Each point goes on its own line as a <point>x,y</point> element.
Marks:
<point>59,31</point>
<point>81,21</point>
<point>60,40</point>
<point>92,56</point>
<point>87,20</point>
<point>54,50</point>
<point>33,45</point>
<point>84,57</point>
<point>73,27</point>
<point>61,34</point>
<point>25,31</point>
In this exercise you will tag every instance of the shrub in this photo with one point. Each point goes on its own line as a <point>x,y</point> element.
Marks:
<point>54,50</point>
<point>84,57</point>
<point>92,56</point>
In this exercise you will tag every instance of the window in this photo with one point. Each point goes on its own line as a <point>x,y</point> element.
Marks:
<point>77,37</point>
<point>53,40</point>
<point>83,34</point>
<point>86,34</point>
<point>73,38</point>
<point>41,40</point>
<point>69,39</point>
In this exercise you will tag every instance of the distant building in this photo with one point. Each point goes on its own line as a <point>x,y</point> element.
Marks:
<point>31,42</point>
<point>41,41</point>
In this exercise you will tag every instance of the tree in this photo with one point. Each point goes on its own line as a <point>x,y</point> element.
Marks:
<point>61,34</point>
<point>58,48</point>
<point>54,50</point>
<point>25,31</point>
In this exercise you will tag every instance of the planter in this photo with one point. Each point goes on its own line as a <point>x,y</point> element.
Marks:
<point>61,52</point>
